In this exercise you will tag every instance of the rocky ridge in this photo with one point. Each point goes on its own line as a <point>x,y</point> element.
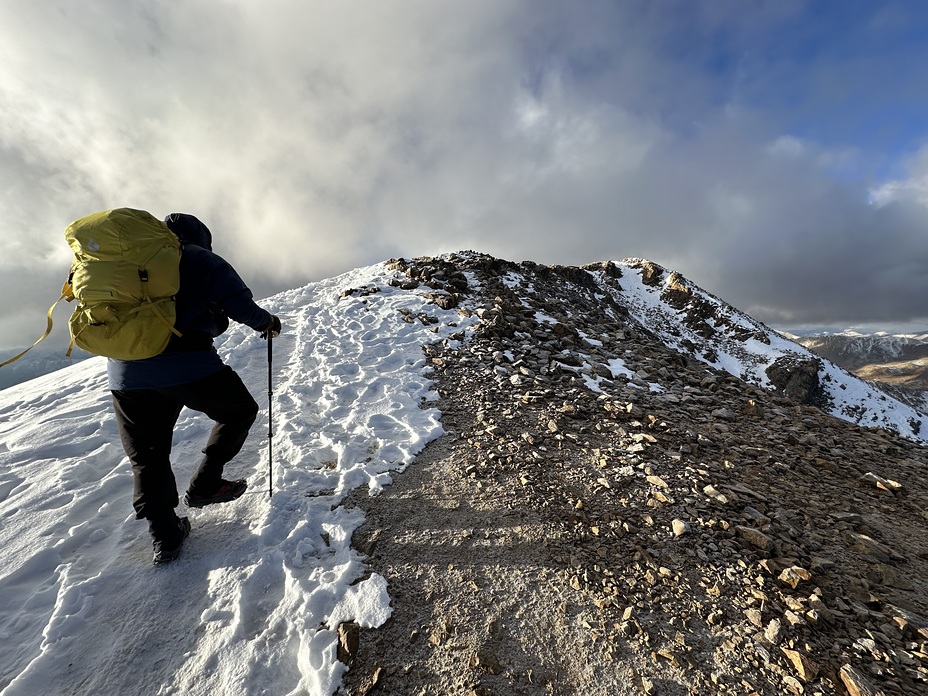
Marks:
<point>610,514</point>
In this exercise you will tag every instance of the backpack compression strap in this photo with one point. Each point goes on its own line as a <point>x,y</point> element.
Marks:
<point>48,330</point>
<point>143,276</point>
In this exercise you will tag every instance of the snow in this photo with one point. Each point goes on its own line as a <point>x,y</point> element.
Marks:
<point>850,398</point>
<point>513,280</point>
<point>254,603</point>
<point>589,339</point>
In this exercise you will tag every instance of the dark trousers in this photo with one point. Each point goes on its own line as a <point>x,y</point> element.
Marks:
<point>146,419</point>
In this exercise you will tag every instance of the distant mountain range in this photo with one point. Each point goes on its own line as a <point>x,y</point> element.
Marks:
<point>855,352</point>
<point>39,361</point>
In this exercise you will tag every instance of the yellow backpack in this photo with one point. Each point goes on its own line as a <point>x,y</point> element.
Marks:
<point>125,275</point>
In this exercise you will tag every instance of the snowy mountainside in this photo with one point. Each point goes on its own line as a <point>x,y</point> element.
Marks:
<point>255,603</point>
<point>897,364</point>
<point>689,320</point>
<point>696,323</point>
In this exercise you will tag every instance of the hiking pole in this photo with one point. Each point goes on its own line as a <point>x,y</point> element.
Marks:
<point>270,418</point>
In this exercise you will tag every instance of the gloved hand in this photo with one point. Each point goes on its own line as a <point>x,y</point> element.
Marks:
<point>273,329</point>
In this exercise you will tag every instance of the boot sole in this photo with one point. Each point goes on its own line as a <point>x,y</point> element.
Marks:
<point>194,502</point>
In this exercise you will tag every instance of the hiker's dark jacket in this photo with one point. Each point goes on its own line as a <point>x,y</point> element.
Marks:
<point>210,294</point>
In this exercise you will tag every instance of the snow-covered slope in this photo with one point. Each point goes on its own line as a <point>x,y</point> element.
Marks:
<point>897,364</point>
<point>699,324</point>
<point>254,605</point>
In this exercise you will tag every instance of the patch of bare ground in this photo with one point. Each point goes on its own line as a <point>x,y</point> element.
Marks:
<point>478,576</point>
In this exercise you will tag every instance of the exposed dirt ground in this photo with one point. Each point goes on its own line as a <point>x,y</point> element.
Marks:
<point>475,571</point>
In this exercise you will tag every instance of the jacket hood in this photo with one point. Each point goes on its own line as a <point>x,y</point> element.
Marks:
<point>189,230</point>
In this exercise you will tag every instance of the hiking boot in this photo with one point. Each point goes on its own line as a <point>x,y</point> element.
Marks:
<point>227,491</point>
<point>167,536</point>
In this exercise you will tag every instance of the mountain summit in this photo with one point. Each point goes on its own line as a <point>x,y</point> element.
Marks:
<point>492,478</point>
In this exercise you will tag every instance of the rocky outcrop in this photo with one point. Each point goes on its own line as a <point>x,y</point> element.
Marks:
<point>796,379</point>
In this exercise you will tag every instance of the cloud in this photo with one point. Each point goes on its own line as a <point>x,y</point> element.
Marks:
<point>317,137</point>
<point>911,189</point>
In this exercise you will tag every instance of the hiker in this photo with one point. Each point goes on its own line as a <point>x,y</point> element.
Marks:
<point>148,394</point>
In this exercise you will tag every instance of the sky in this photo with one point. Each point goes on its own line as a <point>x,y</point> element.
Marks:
<point>769,151</point>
